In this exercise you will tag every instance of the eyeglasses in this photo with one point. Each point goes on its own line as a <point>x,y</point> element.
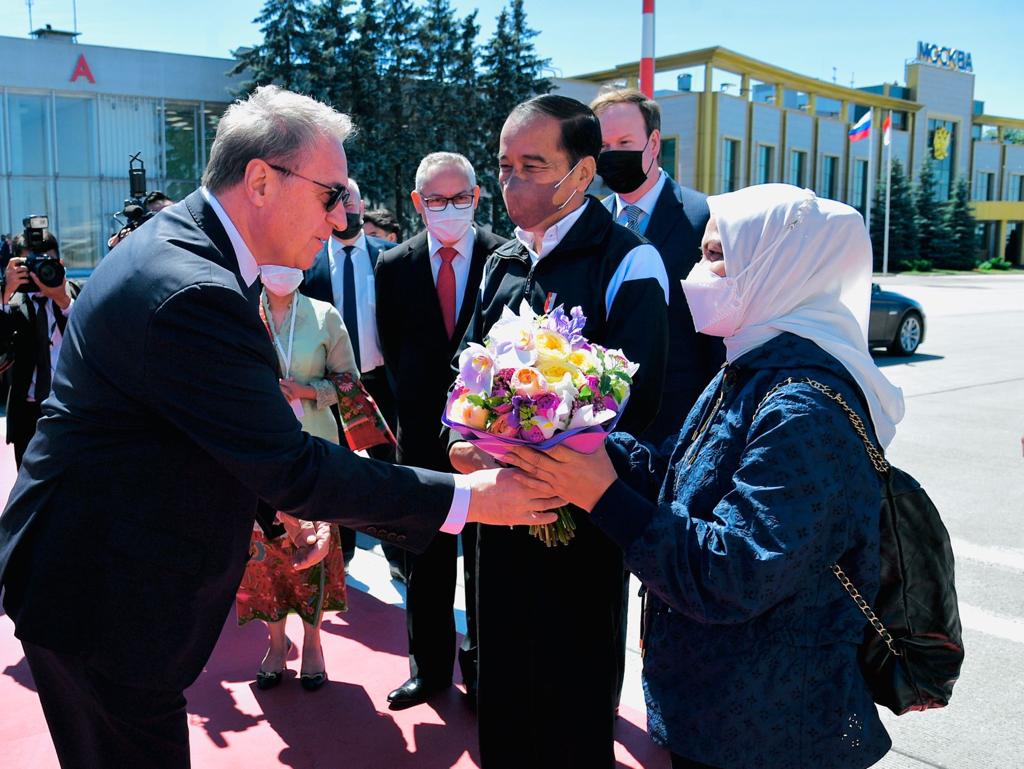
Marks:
<point>338,191</point>
<point>462,201</point>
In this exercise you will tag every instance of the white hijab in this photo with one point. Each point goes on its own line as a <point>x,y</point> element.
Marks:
<point>802,264</point>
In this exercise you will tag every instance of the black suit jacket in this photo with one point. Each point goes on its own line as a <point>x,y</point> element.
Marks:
<point>127,531</point>
<point>675,228</point>
<point>416,347</point>
<point>18,328</point>
<point>316,281</point>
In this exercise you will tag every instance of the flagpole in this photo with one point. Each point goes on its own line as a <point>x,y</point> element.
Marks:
<point>888,191</point>
<point>871,166</point>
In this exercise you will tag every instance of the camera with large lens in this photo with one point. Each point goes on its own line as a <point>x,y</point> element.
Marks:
<point>46,267</point>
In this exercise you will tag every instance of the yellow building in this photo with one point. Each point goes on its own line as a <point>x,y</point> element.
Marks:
<point>770,124</point>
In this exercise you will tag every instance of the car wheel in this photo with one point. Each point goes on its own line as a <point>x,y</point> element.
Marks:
<point>908,335</point>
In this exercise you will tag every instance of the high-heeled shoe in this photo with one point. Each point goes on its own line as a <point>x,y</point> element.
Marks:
<point>312,681</point>
<point>269,679</point>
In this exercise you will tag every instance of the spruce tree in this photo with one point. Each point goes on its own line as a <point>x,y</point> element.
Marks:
<point>438,42</point>
<point>362,101</point>
<point>903,235</point>
<point>963,230</point>
<point>933,240</point>
<point>512,73</point>
<point>280,58</point>
<point>327,54</point>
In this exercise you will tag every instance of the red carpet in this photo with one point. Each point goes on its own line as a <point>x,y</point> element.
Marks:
<point>344,725</point>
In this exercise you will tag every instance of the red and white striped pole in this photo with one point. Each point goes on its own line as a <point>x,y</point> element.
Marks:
<point>647,55</point>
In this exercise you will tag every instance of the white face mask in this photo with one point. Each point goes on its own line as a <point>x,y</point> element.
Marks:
<point>280,281</point>
<point>449,225</point>
<point>713,300</point>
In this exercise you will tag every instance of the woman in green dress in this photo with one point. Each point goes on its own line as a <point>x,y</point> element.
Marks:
<point>303,569</point>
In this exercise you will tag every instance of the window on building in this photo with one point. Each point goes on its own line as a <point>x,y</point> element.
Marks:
<point>984,185</point>
<point>798,168</point>
<point>211,119</point>
<point>28,197</point>
<point>829,187</point>
<point>730,165</point>
<point>78,223</point>
<point>859,193</point>
<point>181,141</point>
<point>1015,187</point>
<point>669,156</point>
<point>942,138</point>
<point>76,136</point>
<point>765,164</point>
<point>29,120</point>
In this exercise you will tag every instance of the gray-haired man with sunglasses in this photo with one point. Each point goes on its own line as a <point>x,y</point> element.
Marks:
<point>127,532</point>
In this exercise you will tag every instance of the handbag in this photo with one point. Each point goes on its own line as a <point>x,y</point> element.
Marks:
<point>912,649</point>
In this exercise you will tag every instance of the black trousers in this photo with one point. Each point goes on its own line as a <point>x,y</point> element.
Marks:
<point>548,621</point>
<point>678,762</point>
<point>96,722</point>
<point>429,619</point>
<point>21,437</point>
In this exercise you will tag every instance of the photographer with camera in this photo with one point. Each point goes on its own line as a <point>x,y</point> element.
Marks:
<point>37,299</point>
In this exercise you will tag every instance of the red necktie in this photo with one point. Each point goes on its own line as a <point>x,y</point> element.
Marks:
<point>446,288</point>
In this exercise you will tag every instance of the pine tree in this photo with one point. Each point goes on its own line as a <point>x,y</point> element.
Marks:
<point>903,235</point>
<point>933,240</point>
<point>361,100</point>
<point>438,41</point>
<point>963,230</point>
<point>327,54</point>
<point>512,73</point>
<point>280,58</point>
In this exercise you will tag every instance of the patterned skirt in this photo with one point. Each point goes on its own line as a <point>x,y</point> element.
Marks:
<point>271,587</point>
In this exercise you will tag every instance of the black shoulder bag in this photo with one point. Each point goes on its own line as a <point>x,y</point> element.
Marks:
<point>912,649</point>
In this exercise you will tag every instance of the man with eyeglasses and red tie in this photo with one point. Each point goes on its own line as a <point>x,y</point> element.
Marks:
<point>426,291</point>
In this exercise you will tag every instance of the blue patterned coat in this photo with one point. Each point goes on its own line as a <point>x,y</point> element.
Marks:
<point>750,640</point>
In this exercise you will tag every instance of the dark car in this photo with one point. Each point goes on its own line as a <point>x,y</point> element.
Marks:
<point>897,322</point>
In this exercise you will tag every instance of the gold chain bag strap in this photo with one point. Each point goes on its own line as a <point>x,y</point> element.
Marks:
<point>880,464</point>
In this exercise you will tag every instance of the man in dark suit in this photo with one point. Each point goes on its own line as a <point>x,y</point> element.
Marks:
<point>342,275</point>
<point>672,218</point>
<point>32,328</point>
<point>126,534</point>
<point>426,289</point>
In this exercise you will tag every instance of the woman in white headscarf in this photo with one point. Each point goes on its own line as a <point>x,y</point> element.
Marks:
<point>750,641</point>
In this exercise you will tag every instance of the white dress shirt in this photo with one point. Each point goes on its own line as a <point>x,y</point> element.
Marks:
<point>642,262</point>
<point>460,264</point>
<point>645,203</point>
<point>370,356</point>
<point>56,337</point>
<point>249,270</point>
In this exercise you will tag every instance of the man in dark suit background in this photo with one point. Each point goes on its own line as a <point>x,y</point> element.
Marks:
<point>426,289</point>
<point>342,275</point>
<point>32,328</point>
<point>127,531</point>
<point>672,218</point>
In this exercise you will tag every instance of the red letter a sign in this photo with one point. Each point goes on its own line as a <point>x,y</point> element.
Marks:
<point>82,70</point>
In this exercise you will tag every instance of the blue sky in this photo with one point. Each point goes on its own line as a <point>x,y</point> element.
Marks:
<point>867,41</point>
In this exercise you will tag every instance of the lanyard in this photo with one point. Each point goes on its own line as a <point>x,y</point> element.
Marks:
<point>285,356</point>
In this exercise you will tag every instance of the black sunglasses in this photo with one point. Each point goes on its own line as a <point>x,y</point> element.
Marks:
<point>338,191</point>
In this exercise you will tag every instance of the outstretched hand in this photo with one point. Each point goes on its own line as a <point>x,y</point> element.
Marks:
<point>581,479</point>
<point>505,497</point>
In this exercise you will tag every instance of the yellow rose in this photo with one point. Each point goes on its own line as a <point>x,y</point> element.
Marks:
<point>554,371</point>
<point>583,359</point>
<point>552,344</point>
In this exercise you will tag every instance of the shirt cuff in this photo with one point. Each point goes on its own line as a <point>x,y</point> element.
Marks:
<point>459,511</point>
<point>67,310</point>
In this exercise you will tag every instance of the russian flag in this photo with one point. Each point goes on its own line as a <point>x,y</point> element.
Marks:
<point>862,128</point>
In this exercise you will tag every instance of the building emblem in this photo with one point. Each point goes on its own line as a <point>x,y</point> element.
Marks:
<point>82,70</point>
<point>940,143</point>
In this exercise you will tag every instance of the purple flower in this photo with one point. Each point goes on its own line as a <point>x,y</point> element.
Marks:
<point>594,384</point>
<point>547,401</point>
<point>533,434</point>
<point>610,403</point>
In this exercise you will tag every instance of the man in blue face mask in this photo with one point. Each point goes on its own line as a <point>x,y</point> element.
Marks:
<point>342,275</point>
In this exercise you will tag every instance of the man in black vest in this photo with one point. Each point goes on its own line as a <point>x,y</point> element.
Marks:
<point>127,532</point>
<point>426,291</point>
<point>548,617</point>
<point>342,275</point>
<point>31,328</point>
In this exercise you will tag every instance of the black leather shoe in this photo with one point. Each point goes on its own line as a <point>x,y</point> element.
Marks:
<point>415,691</point>
<point>266,681</point>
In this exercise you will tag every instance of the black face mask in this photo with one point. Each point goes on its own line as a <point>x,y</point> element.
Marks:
<point>354,224</point>
<point>623,170</point>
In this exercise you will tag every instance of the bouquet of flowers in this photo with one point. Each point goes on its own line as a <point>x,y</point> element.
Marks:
<point>537,381</point>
